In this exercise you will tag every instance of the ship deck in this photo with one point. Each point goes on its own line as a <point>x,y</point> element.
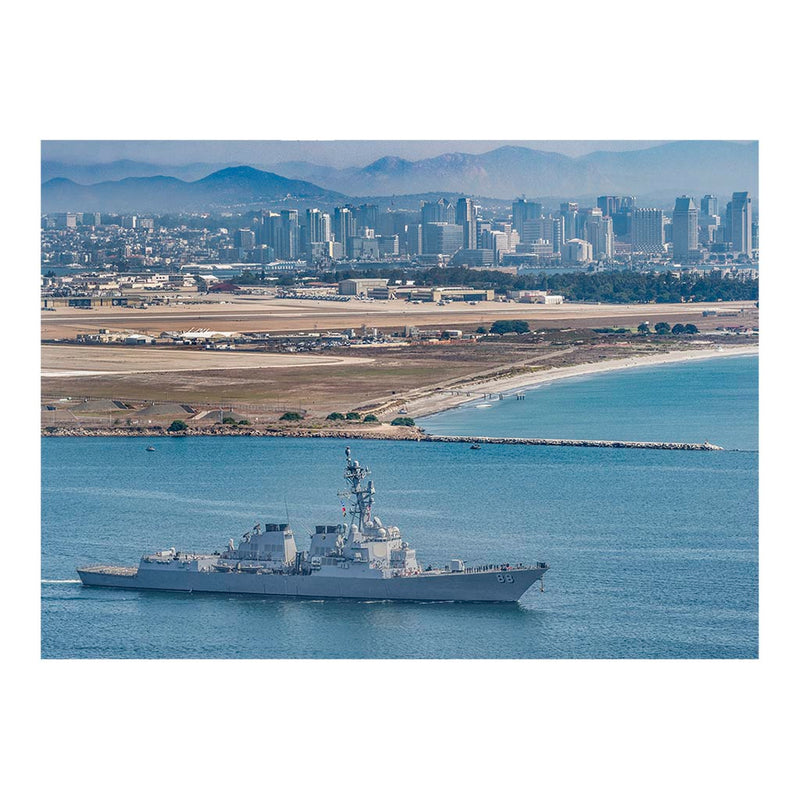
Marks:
<point>104,569</point>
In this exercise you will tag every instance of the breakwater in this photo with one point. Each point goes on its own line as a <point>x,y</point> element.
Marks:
<point>403,434</point>
<point>572,442</point>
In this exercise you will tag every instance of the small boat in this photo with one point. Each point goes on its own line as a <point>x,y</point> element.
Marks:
<point>474,447</point>
<point>150,449</point>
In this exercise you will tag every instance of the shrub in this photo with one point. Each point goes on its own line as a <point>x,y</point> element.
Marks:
<point>407,421</point>
<point>292,416</point>
<point>690,328</point>
<point>371,418</point>
<point>335,415</point>
<point>177,426</point>
<point>352,415</point>
<point>228,421</point>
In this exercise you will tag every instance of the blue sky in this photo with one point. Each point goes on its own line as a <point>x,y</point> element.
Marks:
<point>338,153</point>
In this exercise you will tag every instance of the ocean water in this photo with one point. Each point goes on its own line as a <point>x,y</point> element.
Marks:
<point>653,554</point>
<point>714,400</point>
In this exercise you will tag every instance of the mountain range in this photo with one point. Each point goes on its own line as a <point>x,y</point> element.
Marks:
<point>655,174</point>
<point>227,188</point>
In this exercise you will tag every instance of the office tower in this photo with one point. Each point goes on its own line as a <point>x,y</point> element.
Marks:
<point>439,211</point>
<point>344,227</point>
<point>647,231</point>
<point>600,235</point>
<point>467,219</point>
<point>269,230</point>
<point>584,215</point>
<point>741,224</point>
<point>709,206</point>
<point>413,239</point>
<point>366,216</point>
<point>441,238</point>
<point>244,239</point>
<point>558,233</point>
<point>522,211</point>
<point>608,204</point>
<point>289,240</point>
<point>569,213</point>
<point>318,226</point>
<point>684,228</point>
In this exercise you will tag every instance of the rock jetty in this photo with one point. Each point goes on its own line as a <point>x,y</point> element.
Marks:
<point>404,434</point>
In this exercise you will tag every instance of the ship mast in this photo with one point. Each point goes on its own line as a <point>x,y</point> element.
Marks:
<point>361,496</point>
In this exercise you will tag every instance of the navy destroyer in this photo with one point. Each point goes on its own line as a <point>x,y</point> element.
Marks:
<point>363,559</point>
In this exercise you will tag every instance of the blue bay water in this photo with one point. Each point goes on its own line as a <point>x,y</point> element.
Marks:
<point>653,554</point>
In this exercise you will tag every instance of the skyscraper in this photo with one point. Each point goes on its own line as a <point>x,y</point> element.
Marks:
<point>647,231</point>
<point>522,211</point>
<point>600,235</point>
<point>344,227</point>
<point>741,224</point>
<point>465,216</point>
<point>318,226</point>
<point>441,238</point>
<point>439,211</point>
<point>609,204</point>
<point>289,240</point>
<point>684,228</point>
<point>569,213</point>
<point>709,206</point>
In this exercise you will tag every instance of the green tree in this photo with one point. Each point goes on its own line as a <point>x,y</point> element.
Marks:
<point>481,329</point>
<point>177,426</point>
<point>407,421</point>
<point>502,326</point>
<point>371,418</point>
<point>292,416</point>
<point>335,415</point>
<point>662,328</point>
<point>228,421</point>
<point>678,329</point>
<point>690,328</point>
<point>352,415</point>
<point>643,328</point>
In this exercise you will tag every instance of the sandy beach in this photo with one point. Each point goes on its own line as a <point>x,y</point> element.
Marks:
<point>441,401</point>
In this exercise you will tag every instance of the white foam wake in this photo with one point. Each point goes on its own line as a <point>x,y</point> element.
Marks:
<point>70,580</point>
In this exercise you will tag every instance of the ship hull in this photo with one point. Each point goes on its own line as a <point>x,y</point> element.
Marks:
<point>490,586</point>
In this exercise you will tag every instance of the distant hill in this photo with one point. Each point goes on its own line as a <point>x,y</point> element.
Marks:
<point>655,175</point>
<point>225,189</point>
<point>660,172</point>
<point>124,168</point>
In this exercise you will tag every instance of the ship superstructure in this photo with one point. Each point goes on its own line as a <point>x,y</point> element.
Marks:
<point>361,558</point>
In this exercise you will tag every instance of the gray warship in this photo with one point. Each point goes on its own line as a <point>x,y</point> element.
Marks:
<point>363,559</point>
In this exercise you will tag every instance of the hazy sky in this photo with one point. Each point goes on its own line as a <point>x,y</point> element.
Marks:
<point>340,153</point>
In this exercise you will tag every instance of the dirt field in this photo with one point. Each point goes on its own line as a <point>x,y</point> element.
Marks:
<point>234,313</point>
<point>88,360</point>
<point>382,378</point>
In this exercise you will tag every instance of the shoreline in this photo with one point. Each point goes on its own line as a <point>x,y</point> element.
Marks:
<point>425,407</point>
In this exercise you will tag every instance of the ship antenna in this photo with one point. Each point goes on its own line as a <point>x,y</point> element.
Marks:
<point>286,506</point>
